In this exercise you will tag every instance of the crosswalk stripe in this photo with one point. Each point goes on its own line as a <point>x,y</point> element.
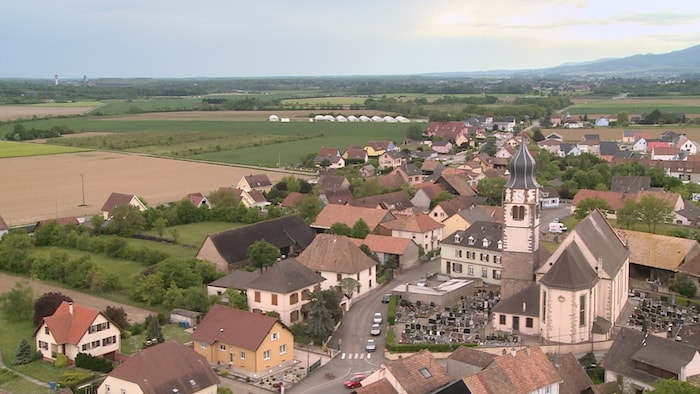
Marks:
<point>342,356</point>
<point>369,355</point>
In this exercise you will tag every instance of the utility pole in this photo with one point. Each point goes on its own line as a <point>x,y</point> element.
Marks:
<point>82,184</point>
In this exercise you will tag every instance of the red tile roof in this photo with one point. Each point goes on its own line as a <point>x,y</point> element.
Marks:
<point>417,223</point>
<point>381,386</point>
<point>384,243</point>
<point>409,373</point>
<point>116,200</point>
<point>334,213</point>
<point>293,199</point>
<point>233,326</point>
<point>335,253</point>
<point>67,327</point>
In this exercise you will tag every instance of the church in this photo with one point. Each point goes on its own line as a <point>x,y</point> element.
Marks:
<point>578,292</point>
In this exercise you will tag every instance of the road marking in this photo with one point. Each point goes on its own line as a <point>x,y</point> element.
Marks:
<point>342,356</point>
<point>369,355</point>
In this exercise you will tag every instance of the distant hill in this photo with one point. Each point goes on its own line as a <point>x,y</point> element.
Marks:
<point>684,62</point>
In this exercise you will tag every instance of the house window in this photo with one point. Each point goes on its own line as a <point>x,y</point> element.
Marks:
<point>294,316</point>
<point>499,244</point>
<point>85,347</point>
<point>528,322</point>
<point>43,345</point>
<point>485,243</point>
<point>293,298</point>
<point>457,267</point>
<point>502,319</point>
<point>484,273</point>
<point>426,373</point>
<point>46,330</point>
<point>470,240</point>
<point>305,294</point>
<point>242,355</point>
<point>497,259</point>
<point>338,277</point>
<point>202,345</point>
<point>275,336</point>
<point>266,355</point>
<point>107,388</point>
<point>283,349</point>
<point>109,340</point>
<point>497,274</point>
<point>273,299</point>
<point>582,311</point>
<point>123,391</point>
<point>222,348</point>
<point>470,270</point>
<point>257,296</point>
<point>518,212</point>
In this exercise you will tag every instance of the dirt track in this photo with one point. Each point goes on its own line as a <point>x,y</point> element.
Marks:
<point>134,314</point>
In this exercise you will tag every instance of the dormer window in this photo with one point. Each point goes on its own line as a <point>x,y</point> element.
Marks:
<point>500,244</point>
<point>470,240</point>
<point>485,243</point>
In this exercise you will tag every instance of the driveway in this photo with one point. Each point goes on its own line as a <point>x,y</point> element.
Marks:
<point>134,314</point>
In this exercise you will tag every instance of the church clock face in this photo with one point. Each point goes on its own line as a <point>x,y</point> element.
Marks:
<point>518,196</point>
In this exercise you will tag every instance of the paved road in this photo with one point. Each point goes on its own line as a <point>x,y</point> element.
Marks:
<point>352,335</point>
<point>134,314</point>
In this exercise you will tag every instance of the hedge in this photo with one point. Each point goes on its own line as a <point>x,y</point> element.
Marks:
<point>391,314</point>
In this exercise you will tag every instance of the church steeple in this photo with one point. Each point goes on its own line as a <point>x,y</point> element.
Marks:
<point>522,169</point>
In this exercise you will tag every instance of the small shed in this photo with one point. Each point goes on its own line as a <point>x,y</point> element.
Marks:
<point>185,318</point>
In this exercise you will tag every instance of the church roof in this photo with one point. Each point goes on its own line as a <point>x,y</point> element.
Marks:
<point>522,169</point>
<point>570,271</point>
<point>600,239</point>
<point>524,303</point>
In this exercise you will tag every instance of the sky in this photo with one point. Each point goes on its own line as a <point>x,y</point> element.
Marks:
<point>264,38</point>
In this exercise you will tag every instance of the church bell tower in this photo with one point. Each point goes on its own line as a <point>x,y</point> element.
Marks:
<point>521,225</point>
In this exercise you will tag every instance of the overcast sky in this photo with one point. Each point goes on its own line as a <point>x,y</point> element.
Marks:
<point>233,38</point>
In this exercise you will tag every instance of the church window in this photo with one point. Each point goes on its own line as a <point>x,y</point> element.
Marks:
<point>544,306</point>
<point>518,212</point>
<point>582,311</point>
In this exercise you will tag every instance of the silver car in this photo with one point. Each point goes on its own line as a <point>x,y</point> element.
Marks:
<point>375,330</point>
<point>370,346</point>
<point>377,318</point>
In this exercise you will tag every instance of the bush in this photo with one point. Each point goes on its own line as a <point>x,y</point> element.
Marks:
<point>74,377</point>
<point>391,314</point>
<point>61,361</point>
<point>84,360</point>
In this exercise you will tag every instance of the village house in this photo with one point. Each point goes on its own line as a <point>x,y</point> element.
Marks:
<point>425,194</point>
<point>392,159</point>
<point>398,202</point>
<point>448,131</point>
<point>259,182</point>
<point>228,249</point>
<point>410,173</point>
<point>419,373</point>
<point>443,147</point>
<point>245,340</point>
<point>349,215</point>
<point>549,197</point>
<point>283,288</point>
<point>74,329</point>
<point>355,155</point>
<point>199,200</point>
<point>465,217</point>
<point>378,148</point>
<point>168,367</point>
<point>420,228</point>
<point>474,253</point>
<point>116,200</point>
<point>404,252</point>
<point>336,257</point>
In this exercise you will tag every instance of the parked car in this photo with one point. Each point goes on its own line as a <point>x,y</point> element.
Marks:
<point>375,330</point>
<point>370,346</point>
<point>377,318</point>
<point>422,283</point>
<point>386,298</point>
<point>355,381</point>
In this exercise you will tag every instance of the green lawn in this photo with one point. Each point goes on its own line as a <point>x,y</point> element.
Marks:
<point>19,149</point>
<point>12,334</point>
<point>170,331</point>
<point>195,233</point>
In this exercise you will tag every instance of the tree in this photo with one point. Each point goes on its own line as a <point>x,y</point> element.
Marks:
<point>443,196</point>
<point>159,225</point>
<point>309,208</point>
<point>492,189</point>
<point>47,304</point>
<point>672,386</point>
<point>237,299</point>
<point>262,254</point>
<point>349,286</point>
<point>537,135</point>
<point>414,132</point>
<point>118,315</point>
<point>360,229</point>
<point>588,205</point>
<point>321,324</point>
<point>15,252</point>
<point>126,220</point>
<point>23,355</point>
<point>623,119</point>
<point>628,215</point>
<point>154,333</point>
<point>489,147</point>
<point>224,198</point>
<point>653,210</point>
<point>16,304</point>
<point>340,229</point>
<point>683,285</point>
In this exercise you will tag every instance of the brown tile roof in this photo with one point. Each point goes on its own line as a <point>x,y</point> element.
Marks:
<point>614,199</point>
<point>67,327</point>
<point>340,196</point>
<point>665,150</point>
<point>335,253</point>
<point>257,196</point>
<point>417,223</point>
<point>384,243</point>
<point>419,373</point>
<point>233,326</point>
<point>670,198</point>
<point>389,180</point>
<point>431,165</point>
<point>333,213</point>
<point>328,151</point>
<point>574,378</point>
<point>471,356</point>
<point>644,249</point>
<point>379,145</point>
<point>432,190</point>
<point>167,367</point>
<point>399,201</point>
<point>258,180</point>
<point>381,386</point>
<point>331,182</point>
<point>526,371</point>
<point>195,198</point>
<point>355,154</point>
<point>116,200</point>
<point>293,199</point>
<point>455,184</point>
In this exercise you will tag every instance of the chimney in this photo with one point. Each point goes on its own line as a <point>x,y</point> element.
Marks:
<point>70,308</point>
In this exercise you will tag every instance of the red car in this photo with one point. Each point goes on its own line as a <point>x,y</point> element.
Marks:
<point>355,381</point>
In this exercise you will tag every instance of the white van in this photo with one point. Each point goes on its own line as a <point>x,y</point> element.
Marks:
<point>557,228</point>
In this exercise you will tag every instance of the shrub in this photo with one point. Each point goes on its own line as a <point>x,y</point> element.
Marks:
<point>61,361</point>
<point>391,314</point>
<point>74,377</point>
<point>84,360</point>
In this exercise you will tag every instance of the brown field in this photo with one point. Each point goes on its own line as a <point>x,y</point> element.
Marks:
<point>46,187</point>
<point>9,112</point>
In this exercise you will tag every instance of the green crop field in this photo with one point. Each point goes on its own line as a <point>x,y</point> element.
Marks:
<point>71,104</point>
<point>155,105</point>
<point>687,105</point>
<point>19,149</point>
<point>325,100</point>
